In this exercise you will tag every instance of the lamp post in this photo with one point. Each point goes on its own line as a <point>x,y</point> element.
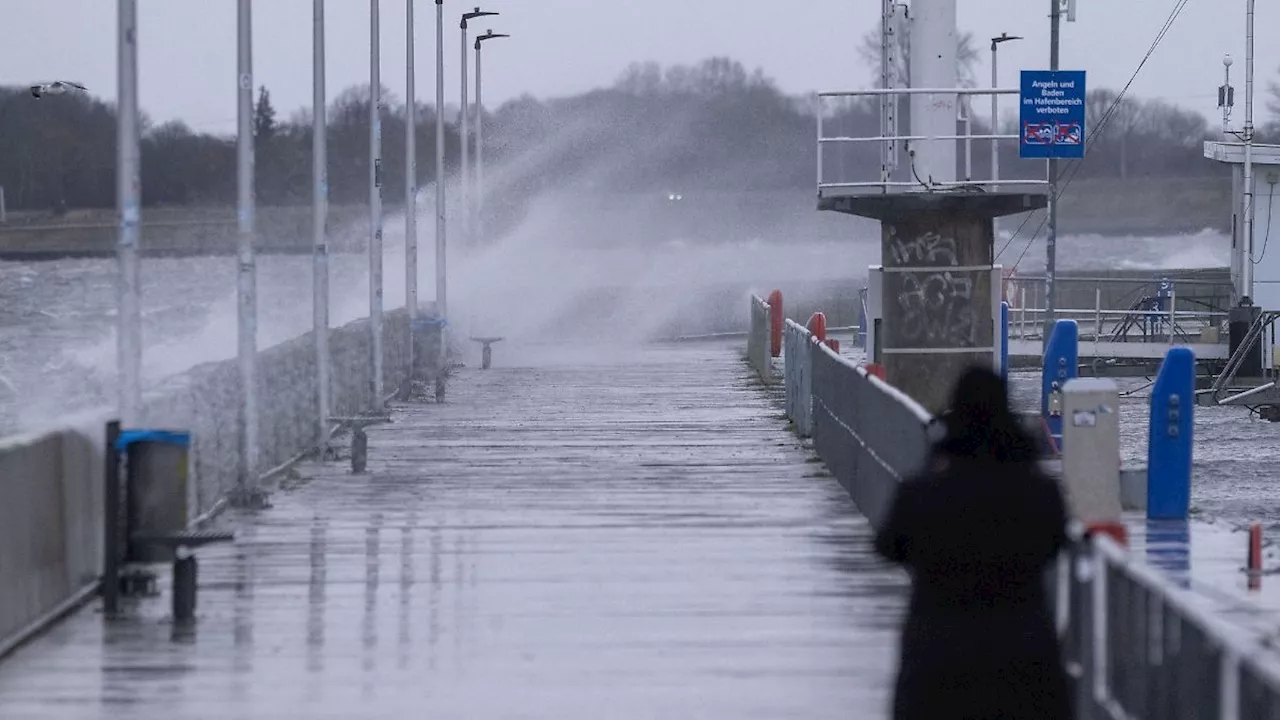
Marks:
<point>410,192</point>
<point>995,104</point>
<point>375,202</point>
<point>247,324</point>
<point>320,214</point>
<point>479,222</point>
<point>465,130</point>
<point>129,196</point>
<point>441,245</point>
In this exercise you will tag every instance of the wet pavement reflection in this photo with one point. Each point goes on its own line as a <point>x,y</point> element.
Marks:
<point>562,540</point>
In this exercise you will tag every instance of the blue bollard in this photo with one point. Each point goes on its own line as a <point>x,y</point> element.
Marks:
<point>1004,341</point>
<point>1061,360</point>
<point>1173,405</point>
<point>1169,549</point>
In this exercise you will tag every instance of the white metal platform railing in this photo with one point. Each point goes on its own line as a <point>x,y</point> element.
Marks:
<point>1139,646</point>
<point>889,141</point>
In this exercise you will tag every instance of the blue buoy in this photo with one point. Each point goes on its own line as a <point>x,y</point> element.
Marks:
<point>1172,426</point>
<point>1061,360</point>
<point>1004,341</point>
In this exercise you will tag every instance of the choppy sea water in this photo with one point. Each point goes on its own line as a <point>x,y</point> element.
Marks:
<point>57,320</point>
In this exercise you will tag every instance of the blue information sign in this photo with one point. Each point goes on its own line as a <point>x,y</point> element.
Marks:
<point>1053,117</point>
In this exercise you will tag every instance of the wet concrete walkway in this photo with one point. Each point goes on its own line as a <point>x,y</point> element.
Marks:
<point>636,536</point>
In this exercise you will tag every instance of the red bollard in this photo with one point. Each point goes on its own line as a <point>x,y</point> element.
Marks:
<point>776,320</point>
<point>876,370</point>
<point>1255,556</point>
<point>834,345</point>
<point>817,326</point>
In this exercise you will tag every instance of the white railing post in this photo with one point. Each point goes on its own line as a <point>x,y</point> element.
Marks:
<point>1173,307</point>
<point>1097,317</point>
<point>818,107</point>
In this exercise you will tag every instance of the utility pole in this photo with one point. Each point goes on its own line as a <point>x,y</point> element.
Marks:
<point>1246,269</point>
<point>1051,240</point>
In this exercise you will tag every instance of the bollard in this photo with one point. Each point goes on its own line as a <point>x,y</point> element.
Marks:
<point>439,389</point>
<point>184,585</point>
<point>834,345</point>
<point>1169,446</point>
<point>1061,359</point>
<point>1004,341</point>
<point>359,450</point>
<point>817,326</point>
<point>1255,556</point>
<point>776,320</point>
<point>1091,454</point>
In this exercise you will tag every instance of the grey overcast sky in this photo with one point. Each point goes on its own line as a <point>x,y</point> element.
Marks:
<point>560,47</point>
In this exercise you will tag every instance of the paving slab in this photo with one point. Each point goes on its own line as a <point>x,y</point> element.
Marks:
<point>575,533</point>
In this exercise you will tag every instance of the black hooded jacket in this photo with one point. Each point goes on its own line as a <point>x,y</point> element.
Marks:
<point>977,530</point>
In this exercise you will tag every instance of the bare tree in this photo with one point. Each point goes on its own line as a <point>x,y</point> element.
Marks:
<point>966,57</point>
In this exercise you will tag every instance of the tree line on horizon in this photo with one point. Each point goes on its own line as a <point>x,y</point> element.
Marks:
<point>711,126</point>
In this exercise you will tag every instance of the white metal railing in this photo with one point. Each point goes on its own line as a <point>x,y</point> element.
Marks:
<point>1139,646</point>
<point>889,141</point>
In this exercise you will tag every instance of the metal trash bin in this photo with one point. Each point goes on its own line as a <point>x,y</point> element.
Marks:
<point>157,489</point>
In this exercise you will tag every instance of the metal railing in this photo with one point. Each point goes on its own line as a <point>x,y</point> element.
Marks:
<point>797,349</point>
<point>889,142</point>
<point>758,339</point>
<point>1138,646</point>
<point>1135,643</point>
<point>870,434</point>
<point>1145,313</point>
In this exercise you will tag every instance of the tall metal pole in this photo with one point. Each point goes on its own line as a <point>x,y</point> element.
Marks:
<point>1246,268</point>
<point>129,196</point>
<point>478,225</point>
<point>465,136</point>
<point>995,115</point>
<point>410,188</point>
<point>441,289</point>
<point>375,203</point>
<point>1051,242</point>
<point>247,275</point>
<point>320,215</point>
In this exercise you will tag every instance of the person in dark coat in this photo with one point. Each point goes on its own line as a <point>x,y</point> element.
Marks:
<point>977,530</point>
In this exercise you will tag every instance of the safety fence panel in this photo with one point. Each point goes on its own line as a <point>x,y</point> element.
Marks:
<point>1139,646</point>
<point>50,526</point>
<point>870,435</point>
<point>758,339</point>
<point>52,483</point>
<point>797,376</point>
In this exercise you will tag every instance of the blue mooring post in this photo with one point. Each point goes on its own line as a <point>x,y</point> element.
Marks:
<point>1061,360</point>
<point>1004,341</point>
<point>1169,549</point>
<point>1169,449</point>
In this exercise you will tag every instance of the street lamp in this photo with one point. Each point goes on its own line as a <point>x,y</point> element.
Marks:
<point>995,105</point>
<point>479,223</point>
<point>375,201</point>
<point>465,132</point>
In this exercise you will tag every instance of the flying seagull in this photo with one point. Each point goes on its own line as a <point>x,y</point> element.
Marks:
<point>57,87</point>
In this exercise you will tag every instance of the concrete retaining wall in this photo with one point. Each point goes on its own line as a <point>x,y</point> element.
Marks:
<point>51,484</point>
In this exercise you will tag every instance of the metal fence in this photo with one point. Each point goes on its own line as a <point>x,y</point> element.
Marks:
<point>797,350</point>
<point>870,435</point>
<point>1138,646</point>
<point>758,350</point>
<point>52,483</point>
